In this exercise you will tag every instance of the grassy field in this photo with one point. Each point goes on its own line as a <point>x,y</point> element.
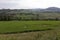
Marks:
<point>42,35</point>
<point>19,26</point>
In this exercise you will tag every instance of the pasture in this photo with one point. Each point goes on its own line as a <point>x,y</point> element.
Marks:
<point>48,30</point>
<point>17,26</point>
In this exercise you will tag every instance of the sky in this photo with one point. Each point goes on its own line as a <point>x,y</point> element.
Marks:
<point>28,4</point>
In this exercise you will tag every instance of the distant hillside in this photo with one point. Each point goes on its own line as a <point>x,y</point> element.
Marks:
<point>51,13</point>
<point>49,9</point>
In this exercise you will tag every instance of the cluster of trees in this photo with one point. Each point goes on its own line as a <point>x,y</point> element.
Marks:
<point>9,15</point>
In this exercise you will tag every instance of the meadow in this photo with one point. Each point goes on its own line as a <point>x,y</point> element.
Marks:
<point>17,26</point>
<point>46,30</point>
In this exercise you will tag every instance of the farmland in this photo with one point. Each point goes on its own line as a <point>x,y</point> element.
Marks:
<point>30,24</point>
<point>14,26</point>
<point>46,30</point>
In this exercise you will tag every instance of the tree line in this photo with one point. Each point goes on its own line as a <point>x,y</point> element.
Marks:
<point>9,15</point>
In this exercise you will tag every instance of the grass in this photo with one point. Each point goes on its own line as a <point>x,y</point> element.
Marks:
<point>42,35</point>
<point>18,26</point>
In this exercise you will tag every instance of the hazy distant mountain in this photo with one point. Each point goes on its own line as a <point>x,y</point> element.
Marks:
<point>53,9</point>
<point>50,9</point>
<point>37,10</point>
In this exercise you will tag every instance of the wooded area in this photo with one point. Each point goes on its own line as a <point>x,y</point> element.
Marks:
<point>20,15</point>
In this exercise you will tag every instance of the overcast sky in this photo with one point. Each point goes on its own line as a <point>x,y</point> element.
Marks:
<point>25,4</point>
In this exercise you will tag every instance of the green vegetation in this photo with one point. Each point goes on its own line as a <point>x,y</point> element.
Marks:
<point>36,30</point>
<point>18,26</point>
<point>42,35</point>
<point>9,15</point>
<point>29,24</point>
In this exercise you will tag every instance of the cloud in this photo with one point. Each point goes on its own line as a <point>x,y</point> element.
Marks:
<point>39,3</point>
<point>29,3</point>
<point>8,5</point>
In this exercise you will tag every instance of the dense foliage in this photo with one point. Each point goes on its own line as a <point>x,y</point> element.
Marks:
<point>27,14</point>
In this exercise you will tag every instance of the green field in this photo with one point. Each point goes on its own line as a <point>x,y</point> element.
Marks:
<point>20,26</point>
<point>17,26</point>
